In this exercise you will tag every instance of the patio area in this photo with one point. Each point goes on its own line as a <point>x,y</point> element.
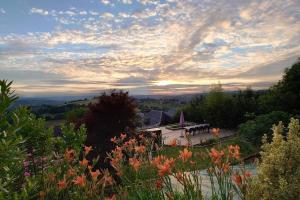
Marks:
<point>169,135</point>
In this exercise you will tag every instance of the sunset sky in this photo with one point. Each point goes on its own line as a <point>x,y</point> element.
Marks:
<point>63,47</point>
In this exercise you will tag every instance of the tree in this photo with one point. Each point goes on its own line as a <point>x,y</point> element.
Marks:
<point>218,107</point>
<point>113,114</point>
<point>193,111</point>
<point>285,95</point>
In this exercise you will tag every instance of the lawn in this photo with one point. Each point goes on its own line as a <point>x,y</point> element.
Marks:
<point>200,152</point>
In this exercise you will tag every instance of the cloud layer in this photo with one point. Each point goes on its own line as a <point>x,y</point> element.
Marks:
<point>150,47</point>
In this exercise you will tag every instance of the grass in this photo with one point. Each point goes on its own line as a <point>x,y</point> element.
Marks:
<point>200,153</point>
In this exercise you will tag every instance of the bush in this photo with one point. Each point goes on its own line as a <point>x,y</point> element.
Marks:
<point>253,130</point>
<point>279,171</point>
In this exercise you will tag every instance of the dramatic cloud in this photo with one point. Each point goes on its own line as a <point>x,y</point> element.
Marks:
<point>150,46</point>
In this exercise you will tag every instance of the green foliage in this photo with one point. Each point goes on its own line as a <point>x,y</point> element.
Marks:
<point>285,95</point>
<point>11,154</point>
<point>25,145</point>
<point>253,130</point>
<point>193,111</point>
<point>218,107</point>
<point>75,114</point>
<point>279,170</point>
<point>70,138</point>
<point>221,109</point>
<point>38,137</point>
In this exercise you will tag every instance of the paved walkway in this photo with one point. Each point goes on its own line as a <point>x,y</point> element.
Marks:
<point>170,135</point>
<point>206,183</point>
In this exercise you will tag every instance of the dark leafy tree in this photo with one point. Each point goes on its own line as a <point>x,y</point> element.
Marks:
<point>193,111</point>
<point>113,114</point>
<point>285,95</point>
<point>218,107</point>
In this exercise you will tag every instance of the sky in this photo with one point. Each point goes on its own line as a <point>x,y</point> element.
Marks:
<point>65,47</point>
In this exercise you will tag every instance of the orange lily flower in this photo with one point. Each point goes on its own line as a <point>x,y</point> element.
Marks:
<point>237,179</point>
<point>140,149</point>
<point>95,174</point>
<point>80,180</point>
<point>84,162</point>
<point>173,142</point>
<point>185,154</point>
<point>135,163</point>
<point>62,184</point>
<point>225,167</point>
<point>69,155</point>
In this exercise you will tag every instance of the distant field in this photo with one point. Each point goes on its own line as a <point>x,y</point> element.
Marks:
<point>52,123</point>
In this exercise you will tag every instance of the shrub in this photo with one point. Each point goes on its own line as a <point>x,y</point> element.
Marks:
<point>279,170</point>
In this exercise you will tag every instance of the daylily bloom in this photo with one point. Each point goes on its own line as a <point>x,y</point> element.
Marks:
<point>135,163</point>
<point>165,168</point>
<point>69,155</point>
<point>225,167</point>
<point>216,155</point>
<point>95,174</point>
<point>140,149</point>
<point>80,180</point>
<point>185,154</point>
<point>173,142</point>
<point>62,184</point>
<point>237,179</point>
<point>84,162</point>
<point>158,160</point>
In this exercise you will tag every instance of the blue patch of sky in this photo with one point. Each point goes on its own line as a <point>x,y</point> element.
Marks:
<point>79,48</point>
<point>209,46</point>
<point>19,20</point>
<point>245,50</point>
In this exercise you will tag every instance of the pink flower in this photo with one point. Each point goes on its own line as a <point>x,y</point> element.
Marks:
<point>26,174</point>
<point>26,163</point>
